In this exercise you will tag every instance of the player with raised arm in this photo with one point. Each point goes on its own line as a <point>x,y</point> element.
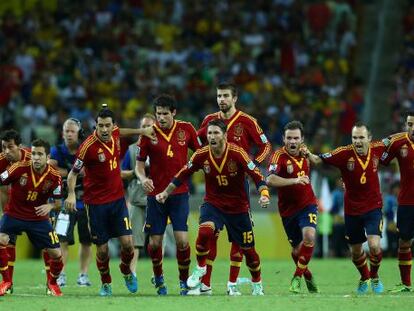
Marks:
<point>99,156</point>
<point>166,154</point>
<point>226,200</point>
<point>289,172</point>
<point>244,131</point>
<point>358,164</point>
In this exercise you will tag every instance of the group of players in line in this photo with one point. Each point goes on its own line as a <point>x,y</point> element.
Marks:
<point>222,150</point>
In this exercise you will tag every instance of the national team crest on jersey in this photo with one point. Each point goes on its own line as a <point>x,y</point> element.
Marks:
<point>101,155</point>
<point>289,167</point>
<point>232,167</point>
<point>47,186</point>
<point>206,167</point>
<point>23,180</point>
<point>181,137</point>
<point>404,151</point>
<point>238,132</point>
<point>350,165</point>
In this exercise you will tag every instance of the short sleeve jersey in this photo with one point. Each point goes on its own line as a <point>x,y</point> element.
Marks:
<point>242,130</point>
<point>102,182</point>
<point>30,189</point>
<point>224,177</point>
<point>292,198</point>
<point>168,154</point>
<point>25,155</point>
<point>360,176</point>
<point>402,148</point>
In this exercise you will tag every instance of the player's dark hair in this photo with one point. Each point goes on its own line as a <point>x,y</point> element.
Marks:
<point>105,112</point>
<point>228,86</point>
<point>362,124</point>
<point>8,135</point>
<point>220,123</point>
<point>294,125</point>
<point>41,143</point>
<point>165,100</point>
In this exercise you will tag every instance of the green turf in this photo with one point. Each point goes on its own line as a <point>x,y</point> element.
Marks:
<point>337,280</point>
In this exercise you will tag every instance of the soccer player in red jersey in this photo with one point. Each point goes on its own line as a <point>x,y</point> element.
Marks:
<point>226,201</point>
<point>244,131</point>
<point>289,172</point>
<point>33,183</point>
<point>99,156</point>
<point>401,147</point>
<point>167,154</point>
<point>11,153</point>
<point>358,164</point>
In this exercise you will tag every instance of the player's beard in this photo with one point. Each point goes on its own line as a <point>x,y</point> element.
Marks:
<point>225,109</point>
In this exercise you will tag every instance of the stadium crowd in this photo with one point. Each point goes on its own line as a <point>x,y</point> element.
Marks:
<point>290,59</point>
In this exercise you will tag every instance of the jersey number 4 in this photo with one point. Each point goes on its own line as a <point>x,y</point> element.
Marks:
<point>170,153</point>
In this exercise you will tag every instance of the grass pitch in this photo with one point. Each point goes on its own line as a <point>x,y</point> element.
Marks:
<point>337,279</point>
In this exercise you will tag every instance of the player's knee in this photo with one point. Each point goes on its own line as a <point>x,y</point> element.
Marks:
<point>309,238</point>
<point>127,248</point>
<point>54,253</point>
<point>4,239</point>
<point>374,246</point>
<point>182,244</point>
<point>356,251</point>
<point>155,244</point>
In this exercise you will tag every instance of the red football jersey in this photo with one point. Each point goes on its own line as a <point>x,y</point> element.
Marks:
<point>402,148</point>
<point>225,177</point>
<point>168,154</point>
<point>360,176</point>
<point>29,189</point>
<point>25,155</point>
<point>102,182</point>
<point>292,198</point>
<point>242,130</point>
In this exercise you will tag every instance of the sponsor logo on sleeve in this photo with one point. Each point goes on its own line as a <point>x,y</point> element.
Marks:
<point>263,138</point>
<point>386,142</point>
<point>78,164</point>
<point>251,165</point>
<point>272,167</point>
<point>57,191</point>
<point>189,164</point>
<point>4,175</point>
<point>326,155</point>
<point>384,156</point>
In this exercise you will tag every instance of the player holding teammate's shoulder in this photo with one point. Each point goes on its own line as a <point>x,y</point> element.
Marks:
<point>289,172</point>
<point>99,156</point>
<point>358,164</point>
<point>244,131</point>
